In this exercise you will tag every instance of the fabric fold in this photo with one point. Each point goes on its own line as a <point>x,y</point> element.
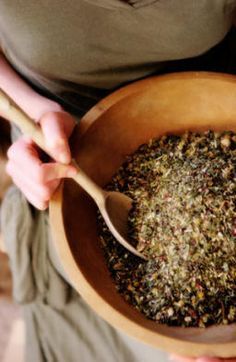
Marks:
<point>26,234</point>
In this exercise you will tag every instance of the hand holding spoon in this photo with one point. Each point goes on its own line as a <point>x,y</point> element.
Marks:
<point>114,206</point>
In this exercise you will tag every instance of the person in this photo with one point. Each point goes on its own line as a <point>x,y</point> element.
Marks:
<point>58,59</point>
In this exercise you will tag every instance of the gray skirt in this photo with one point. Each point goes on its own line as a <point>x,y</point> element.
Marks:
<point>60,326</point>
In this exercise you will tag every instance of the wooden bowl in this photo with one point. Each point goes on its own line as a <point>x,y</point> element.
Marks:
<point>114,128</point>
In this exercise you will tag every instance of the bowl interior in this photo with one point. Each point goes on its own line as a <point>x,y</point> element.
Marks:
<point>163,105</point>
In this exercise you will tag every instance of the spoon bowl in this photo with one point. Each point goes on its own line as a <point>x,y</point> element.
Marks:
<point>117,207</point>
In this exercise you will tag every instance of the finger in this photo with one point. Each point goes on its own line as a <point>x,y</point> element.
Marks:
<point>37,195</point>
<point>57,128</point>
<point>42,191</point>
<point>25,157</point>
<point>34,200</point>
<point>24,150</point>
<point>30,195</point>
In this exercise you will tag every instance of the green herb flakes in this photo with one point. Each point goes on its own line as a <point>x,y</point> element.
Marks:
<point>184,219</point>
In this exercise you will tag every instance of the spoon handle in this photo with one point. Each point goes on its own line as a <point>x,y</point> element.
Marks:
<point>28,127</point>
<point>11,111</point>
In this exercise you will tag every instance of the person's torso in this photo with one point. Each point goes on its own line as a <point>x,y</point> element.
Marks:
<point>104,43</point>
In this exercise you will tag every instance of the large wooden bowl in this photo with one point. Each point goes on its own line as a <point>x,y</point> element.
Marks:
<point>114,128</point>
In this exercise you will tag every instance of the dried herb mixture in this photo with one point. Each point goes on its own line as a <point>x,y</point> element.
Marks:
<point>183,218</point>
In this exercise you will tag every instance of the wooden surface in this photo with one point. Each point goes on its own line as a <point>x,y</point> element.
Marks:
<point>110,131</point>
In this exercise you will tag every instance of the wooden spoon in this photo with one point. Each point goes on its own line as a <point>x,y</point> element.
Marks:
<point>114,206</point>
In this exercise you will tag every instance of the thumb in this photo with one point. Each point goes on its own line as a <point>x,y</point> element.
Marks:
<point>57,127</point>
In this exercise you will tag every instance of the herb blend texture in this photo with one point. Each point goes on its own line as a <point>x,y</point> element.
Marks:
<point>184,219</point>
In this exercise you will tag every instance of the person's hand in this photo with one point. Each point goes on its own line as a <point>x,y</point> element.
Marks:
<point>175,358</point>
<point>38,180</point>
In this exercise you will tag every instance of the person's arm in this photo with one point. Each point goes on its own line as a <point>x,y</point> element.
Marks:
<point>32,103</point>
<point>35,179</point>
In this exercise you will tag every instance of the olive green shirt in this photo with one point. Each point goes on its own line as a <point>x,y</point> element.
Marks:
<point>80,50</point>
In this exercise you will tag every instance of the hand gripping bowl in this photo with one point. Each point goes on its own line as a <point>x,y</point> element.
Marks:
<point>115,127</point>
